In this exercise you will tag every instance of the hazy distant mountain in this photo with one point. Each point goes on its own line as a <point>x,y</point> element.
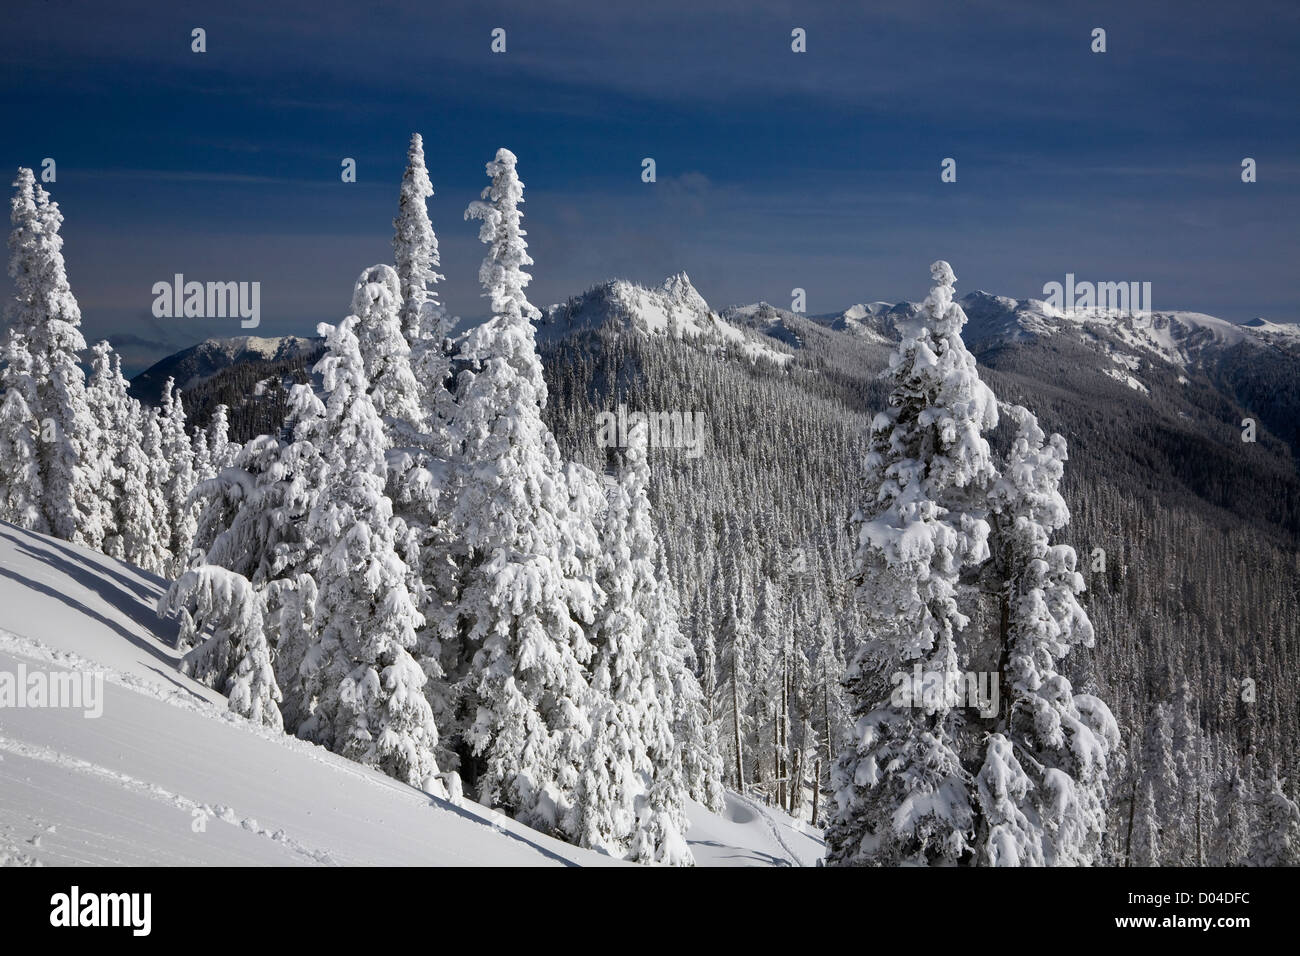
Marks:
<point>195,365</point>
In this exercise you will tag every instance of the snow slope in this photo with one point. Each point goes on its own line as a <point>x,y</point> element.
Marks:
<point>167,776</point>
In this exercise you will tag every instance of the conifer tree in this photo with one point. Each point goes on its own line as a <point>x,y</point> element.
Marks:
<point>377,304</point>
<point>525,684</point>
<point>369,704</point>
<point>415,248</point>
<point>235,657</point>
<point>117,447</point>
<point>178,452</point>
<point>900,788</point>
<point>1049,755</point>
<point>45,319</point>
<point>1277,821</point>
<point>21,492</point>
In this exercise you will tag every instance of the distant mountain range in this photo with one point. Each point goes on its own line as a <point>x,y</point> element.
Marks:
<point>1255,365</point>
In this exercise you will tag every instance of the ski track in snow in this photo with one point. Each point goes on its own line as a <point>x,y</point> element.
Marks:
<point>760,812</point>
<point>224,814</point>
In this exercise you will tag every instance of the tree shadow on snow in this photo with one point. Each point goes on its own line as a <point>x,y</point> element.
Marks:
<point>442,804</point>
<point>142,590</point>
<point>93,580</point>
<point>155,650</point>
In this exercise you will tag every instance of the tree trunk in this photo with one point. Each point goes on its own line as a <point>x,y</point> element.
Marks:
<point>817,790</point>
<point>1198,829</point>
<point>830,744</point>
<point>735,714</point>
<point>796,779</point>
<point>784,789</point>
<point>1132,806</point>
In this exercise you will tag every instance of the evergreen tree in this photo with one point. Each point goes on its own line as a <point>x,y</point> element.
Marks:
<point>423,318</point>
<point>1277,838</point>
<point>45,319</point>
<point>525,685</point>
<point>1059,787</point>
<point>1147,850</point>
<point>110,406</point>
<point>1160,775</point>
<point>138,518</point>
<point>235,658</point>
<point>21,492</point>
<point>377,303</point>
<point>369,704</point>
<point>157,475</point>
<point>701,763</point>
<point>1232,835</point>
<point>901,789</point>
<point>415,246</point>
<point>222,451</point>
<point>178,452</point>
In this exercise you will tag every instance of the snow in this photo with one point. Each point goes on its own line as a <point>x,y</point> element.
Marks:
<point>747,833</point>
<point>167,776</point>
<point>1128,380</point>
<point>675,308</point>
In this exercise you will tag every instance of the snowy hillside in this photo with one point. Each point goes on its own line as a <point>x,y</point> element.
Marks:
<point>168,776</point>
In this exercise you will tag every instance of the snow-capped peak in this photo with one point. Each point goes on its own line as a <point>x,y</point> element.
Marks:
<point>675,309</point>
<point>678,289</point>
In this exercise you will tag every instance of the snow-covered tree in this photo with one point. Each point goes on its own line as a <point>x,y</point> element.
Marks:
<point>376,302</point>
<point>734,689</point>
<point>204,467</point>
<point>139,511</point>
<point>702,770</point>
<point>1147,850</point>
<point>1048,756</point>
<point>45,318</point>
<point>901,789</point>
<point>423,319</point>
<point>520,615</point>
<point>1277,821</point>
<point>828,692</point>
<point>178,452</point>
<point>369,703</point>
<point>634,672</point>
<point>21,491</point>
<point>415,246</point>
<point>1013,831</point>
<point>111,408</point>
<point>235,657</point>
<point>222,452</point>
<point>156,476</point>
<point>1231,842</point>
<point>1160,775</point>
<point>1185,744</point>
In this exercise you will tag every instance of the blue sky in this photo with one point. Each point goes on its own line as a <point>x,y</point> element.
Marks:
<point>775,169</point>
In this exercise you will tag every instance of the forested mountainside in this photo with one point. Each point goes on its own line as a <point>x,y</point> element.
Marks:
<point>1196,578</point>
